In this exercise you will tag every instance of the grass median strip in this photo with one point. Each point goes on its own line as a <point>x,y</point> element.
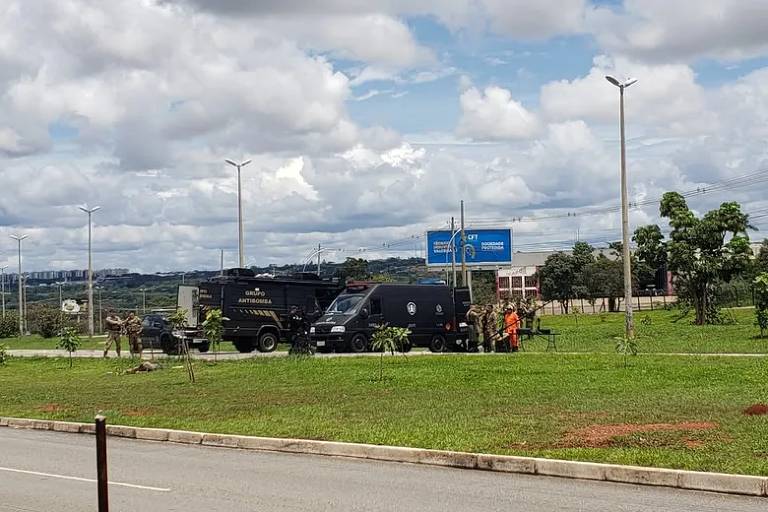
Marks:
<point>670,412</point>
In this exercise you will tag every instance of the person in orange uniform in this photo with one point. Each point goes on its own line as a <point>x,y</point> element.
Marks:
<point>511,324</point>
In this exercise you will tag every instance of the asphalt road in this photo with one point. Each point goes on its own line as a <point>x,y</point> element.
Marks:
<point>46,471</point>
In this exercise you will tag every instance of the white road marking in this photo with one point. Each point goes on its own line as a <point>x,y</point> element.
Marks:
<point>79,479</point>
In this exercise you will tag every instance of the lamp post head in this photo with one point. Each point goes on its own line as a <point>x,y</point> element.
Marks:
<point>235,164</point>
<point>19,238</point>
<point>621,85</point>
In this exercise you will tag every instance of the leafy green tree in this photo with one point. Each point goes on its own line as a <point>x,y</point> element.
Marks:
<point>761,261</point>
<point>9,325</point>
<point>355,269</point>
<point>213,327</point>
<point>705,251</point>
<point>69,340</point>
<point>582,256</point>
<point>761,302</point>
<point>604,277</point>
<point>389,339</point>
<point>45,320</point>
<point>557,279</point>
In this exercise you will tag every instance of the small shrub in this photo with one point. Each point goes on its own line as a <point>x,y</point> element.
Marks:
<point>761,302</point>
<point>3,354</point>
<point>69,340</point>
<point>45,320</point>
<point>646,320</point>
<point>626,347</point>
<point>9,325</point>
<point>389,339</point>
<point>213,327</point>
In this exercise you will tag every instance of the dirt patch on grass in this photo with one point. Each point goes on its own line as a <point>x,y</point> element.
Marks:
<point>599,436</point>
<point>756,410</point>
<point>51,408</point>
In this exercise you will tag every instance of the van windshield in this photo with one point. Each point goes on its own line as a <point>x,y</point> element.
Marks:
<point>345,304</point>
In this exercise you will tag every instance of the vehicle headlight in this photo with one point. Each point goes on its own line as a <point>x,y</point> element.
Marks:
<point>312,330</point>
<point>338,328</point>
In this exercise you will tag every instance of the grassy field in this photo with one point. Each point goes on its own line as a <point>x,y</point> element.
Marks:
<point>36,342</point>
<point>657,332</point>
<point>547,405</point>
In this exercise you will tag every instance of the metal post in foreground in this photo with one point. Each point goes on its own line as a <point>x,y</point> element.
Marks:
<point>241,247</point>
<point>101,463</point>
<point>19,239</point>
<point>2,283</point>
<point>90,212</point>
<point>629,328</point>
<point>452,248</point>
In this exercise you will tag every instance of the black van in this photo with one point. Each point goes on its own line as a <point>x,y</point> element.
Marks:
<point>256,309</point>
<point>433,314</point>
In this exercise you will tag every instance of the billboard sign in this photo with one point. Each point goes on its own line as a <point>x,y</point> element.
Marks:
<point>484,248</point>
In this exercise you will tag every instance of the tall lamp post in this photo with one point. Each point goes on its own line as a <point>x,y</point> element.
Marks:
<point>90,212</point>
<point>2,285</point>
<point>19,239</point>
<point>629,327</point>
<point>239,209</point>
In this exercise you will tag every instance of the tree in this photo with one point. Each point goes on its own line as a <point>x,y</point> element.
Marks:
<point>604,277</point>
<point>213,327</point>
<point>355,269</point>
<point>69,340</point>
<point>651,255</point>
<point>557,278</point>
<point>761,302</point>
<point>389,339</point>
<point>582,256</point>
<point>45,320</point>
<point>761,261</point>
<point>698,254</point>
<point>9,325</point>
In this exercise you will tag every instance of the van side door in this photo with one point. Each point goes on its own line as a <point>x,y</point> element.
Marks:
<point>376,311</point>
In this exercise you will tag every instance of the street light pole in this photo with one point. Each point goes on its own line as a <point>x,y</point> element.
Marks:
<point>90,212</point>
<point>239,210</point>
<point>2,285</point>
<point>629,326</point>
<point>19,239</point>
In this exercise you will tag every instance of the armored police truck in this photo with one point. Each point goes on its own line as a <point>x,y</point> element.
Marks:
<point>256,309</point>
<point>434,314</point>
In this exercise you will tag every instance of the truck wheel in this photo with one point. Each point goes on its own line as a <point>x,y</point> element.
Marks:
<point>243,346</point>
<point>359,343</point>
<point>169,345</point>
<point>204,347</point>
<point>438,343</point>
<point>267,342</point>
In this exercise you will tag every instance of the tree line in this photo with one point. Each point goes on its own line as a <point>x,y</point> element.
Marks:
<point>701,253</point>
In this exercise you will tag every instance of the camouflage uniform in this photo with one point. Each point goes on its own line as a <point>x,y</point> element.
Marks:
<point>490,326</point>
<point>133,329</point>
<point>114,326</point>
<point>474,324</point>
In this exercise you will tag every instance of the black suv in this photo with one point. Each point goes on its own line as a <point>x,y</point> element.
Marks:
<point>157,332</point>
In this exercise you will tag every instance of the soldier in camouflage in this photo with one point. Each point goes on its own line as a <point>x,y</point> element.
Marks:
<point>114,326</point>
<point>490,326</point>
<point>133,329</point>
<point>474,324</point>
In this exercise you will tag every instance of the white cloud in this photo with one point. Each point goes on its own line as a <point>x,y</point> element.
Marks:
<point>664,31</point>
<point>666,96</point>
<point>493,115</point>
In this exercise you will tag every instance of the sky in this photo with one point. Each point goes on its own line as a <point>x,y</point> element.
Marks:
<point>367,122</point>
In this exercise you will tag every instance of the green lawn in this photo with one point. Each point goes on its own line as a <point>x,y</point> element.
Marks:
<point>36,342</point>
<point>510,404</point>
<point>656,332</point>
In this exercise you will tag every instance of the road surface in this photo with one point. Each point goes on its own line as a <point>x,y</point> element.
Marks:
<point>47,471</point>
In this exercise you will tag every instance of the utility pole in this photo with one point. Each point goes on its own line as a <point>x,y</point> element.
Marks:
<point>629,328</point>
<point>319,252</point>
<point>221,262</point>
<point>452,248</point>
<point>2,284</point>
<point>90,212</point>
<point>101,314</point>
<point>19,239</point>
<point>144,301</point>
<point>463,248</point>
<point>240,241</point>
<point>24,297</point>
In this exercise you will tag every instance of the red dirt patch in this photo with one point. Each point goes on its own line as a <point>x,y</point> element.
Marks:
<point>756,410</point>
<point>51,408</point>
<point>598,436</point>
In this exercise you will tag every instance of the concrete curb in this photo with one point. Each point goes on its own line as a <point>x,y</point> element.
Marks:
<point>691,480</point>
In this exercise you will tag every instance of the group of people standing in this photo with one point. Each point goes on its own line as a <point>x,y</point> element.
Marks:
<point>116,327</point>
<point>498,325</point>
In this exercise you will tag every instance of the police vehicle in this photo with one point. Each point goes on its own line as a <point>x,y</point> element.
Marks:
<point>256,309</point>
<point>434,314</point>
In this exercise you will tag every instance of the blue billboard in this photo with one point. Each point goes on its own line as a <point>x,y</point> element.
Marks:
<point>484,247</point>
